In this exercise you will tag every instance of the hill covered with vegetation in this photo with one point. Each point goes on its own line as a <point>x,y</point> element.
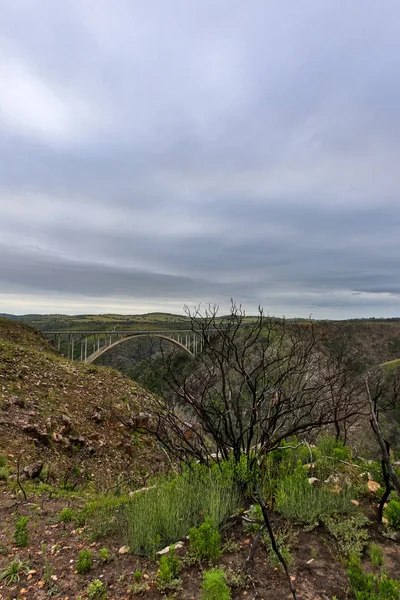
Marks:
<point>239,466</point>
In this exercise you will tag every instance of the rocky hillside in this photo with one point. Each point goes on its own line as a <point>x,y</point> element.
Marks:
<point>65,418</point>
<point>374,342</point>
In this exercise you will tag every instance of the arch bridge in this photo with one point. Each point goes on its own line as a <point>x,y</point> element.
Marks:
<point>86,346</point>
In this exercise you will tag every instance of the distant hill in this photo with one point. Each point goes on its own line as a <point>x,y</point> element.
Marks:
<point>102,322</point>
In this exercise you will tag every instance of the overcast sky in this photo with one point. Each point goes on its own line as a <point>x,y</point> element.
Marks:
<point>161,152</point>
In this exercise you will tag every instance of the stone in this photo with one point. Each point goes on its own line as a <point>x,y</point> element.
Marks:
<point>60,439</point>
<point>141,420</point>
<point>98,417</point>
<point>38,434</point>
<point>66,420</point>
<point>165,550</point>
<point>33,470</point>
<point>124,550</point>
<point>18,401</point>
<point>77,440</point>
<point>373,486</point>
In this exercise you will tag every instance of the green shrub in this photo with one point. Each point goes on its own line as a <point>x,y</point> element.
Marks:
<point>152,519</point>
<point>298,500</point>
<point>66,515</point>
<point>392,513</point>
<point>21,532</point>
<point>168,571</point>
<point>104,555</point>
<point>4,473</point>
<point>214,586</point>
<point>84,562</point>
<point>350,535</point>
<point>367,586</point>
<point>15,569</point>
<point>375,555</point>
<point>137,589</point>
<point>205,541</point>
<point>97,590</point>
<point>329,446</point>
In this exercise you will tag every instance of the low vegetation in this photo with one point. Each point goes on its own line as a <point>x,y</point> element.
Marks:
<point>21,532</point>
<point>205,541</point>
<point>252,497</point>
<point>85,562</point>
<point>369,586</point>
<point>164,513</point>
<point>214,586</point>
<point>168,572</point>
<point>392,513</point>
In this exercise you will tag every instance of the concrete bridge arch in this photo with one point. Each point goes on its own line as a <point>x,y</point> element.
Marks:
<point>86,346</point>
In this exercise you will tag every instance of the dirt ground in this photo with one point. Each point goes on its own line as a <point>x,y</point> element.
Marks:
<point>54,547</point>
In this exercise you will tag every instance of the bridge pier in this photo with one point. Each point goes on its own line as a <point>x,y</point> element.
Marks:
<point>94,343</point>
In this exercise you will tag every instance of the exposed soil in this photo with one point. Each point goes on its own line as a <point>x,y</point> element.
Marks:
<point>317,569</point>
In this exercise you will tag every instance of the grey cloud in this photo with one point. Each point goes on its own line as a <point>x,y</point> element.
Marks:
<point>218,149</point>
<point>32,271</point>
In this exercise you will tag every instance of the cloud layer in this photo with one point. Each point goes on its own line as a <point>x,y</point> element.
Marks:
<point>154,154</point>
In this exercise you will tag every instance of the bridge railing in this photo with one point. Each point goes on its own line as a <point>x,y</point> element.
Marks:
<point>87,345</point>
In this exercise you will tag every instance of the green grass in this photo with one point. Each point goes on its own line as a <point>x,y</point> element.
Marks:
<point>375,554</point>
<point>367,586</point>
<point>392,365</point>
<point>4,474</point>
<point>163,514</point>
<point>15,569</point>
<point>301,502</point>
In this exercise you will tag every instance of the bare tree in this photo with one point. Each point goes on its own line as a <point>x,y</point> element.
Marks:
<point>383,393</point>
<point>257,381</point>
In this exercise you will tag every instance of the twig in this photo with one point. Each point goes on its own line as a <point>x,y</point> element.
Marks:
<point>388,487</point>
<point>254,547</point>
<point>169,458</point>
<point>383,444</point>
<point>18,477</point>
<point>273,542</point>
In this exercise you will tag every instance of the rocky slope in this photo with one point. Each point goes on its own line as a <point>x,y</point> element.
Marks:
<point>68,417</point>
